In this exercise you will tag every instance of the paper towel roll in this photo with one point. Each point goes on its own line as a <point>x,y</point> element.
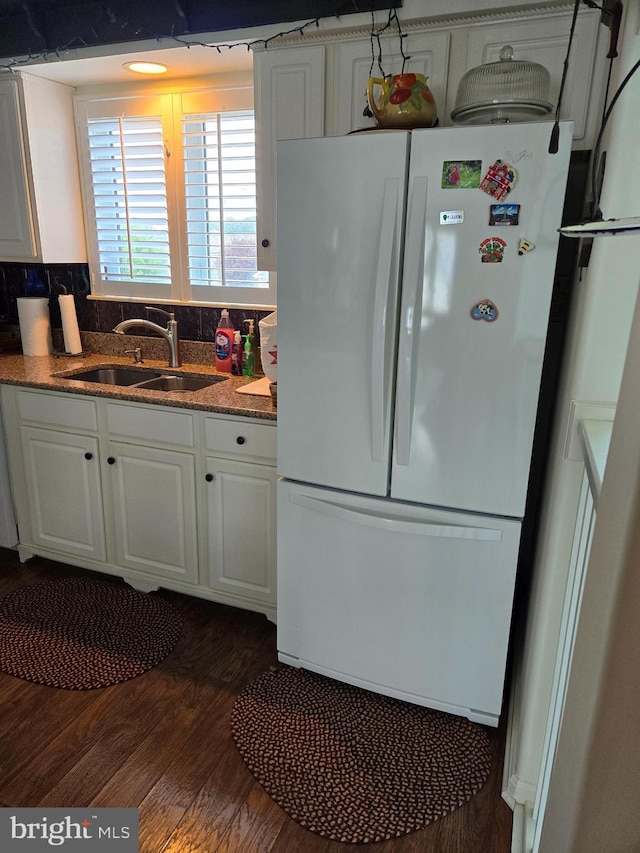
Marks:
<point>35,327</point>
<point>70,330</point>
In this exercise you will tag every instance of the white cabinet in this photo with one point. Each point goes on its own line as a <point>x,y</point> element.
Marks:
<point>62,479</point>
<point>240,485</point>
<point>151,465</point>
<point>158,495</point>
<point>545,40</point>
<point>289,104</point>
<point>153,491</point>
<point>241,557</point>
<point>316,85</point>
<point>41,211</point>
<point>352,67</point>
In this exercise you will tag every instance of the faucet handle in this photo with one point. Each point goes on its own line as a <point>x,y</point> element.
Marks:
<point>168,314</point>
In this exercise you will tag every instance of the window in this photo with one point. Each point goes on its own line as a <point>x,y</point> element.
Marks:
<point>170,198</point>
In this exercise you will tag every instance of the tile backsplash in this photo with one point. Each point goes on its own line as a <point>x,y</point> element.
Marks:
<point>195,323</point>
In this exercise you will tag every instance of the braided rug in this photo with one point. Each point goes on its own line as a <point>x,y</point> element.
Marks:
<point>80,634</point>
<point>352,765</point>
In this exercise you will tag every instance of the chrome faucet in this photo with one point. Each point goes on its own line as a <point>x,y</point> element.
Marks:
<point>170,334</point>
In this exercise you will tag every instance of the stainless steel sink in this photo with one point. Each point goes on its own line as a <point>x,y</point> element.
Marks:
<point>113,376</point>
<point>148,379</point>
<point>180,383</point>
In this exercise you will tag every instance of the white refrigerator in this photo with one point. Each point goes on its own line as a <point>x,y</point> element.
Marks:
<point>415,272</point>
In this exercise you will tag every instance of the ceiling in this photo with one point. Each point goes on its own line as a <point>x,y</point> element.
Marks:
<point>183,62</point>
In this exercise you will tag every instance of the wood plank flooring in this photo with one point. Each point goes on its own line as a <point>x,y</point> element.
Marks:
<point>162,742</point>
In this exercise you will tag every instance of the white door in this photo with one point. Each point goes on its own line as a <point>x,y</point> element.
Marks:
<point>64,492</point>
<point>154,506</point>
<point>469,376</point>
<point>241,529</point>
<point>16,227</point>
<point>395,598</point>
<point>340,211</point>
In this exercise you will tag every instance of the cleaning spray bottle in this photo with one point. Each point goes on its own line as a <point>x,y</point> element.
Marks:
<point>224,342</point>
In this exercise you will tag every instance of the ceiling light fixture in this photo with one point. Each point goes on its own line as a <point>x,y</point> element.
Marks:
<point>146,67</point>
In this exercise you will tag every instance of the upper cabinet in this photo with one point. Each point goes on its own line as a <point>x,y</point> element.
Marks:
<point>316,85</point>
<point>41,210</point>
<point>353,64</point>
<point>545,40</point>
<point>289,104</point>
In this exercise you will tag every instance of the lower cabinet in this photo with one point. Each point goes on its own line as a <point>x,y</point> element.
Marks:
<point>160,496</point>
<point>241,554</point>
<point>153,492</point>
<point>64,492</point>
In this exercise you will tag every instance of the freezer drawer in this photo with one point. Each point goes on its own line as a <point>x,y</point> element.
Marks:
<point>396,598</point>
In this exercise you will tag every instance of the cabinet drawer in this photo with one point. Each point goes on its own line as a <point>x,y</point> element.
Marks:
<point>240,437</point>
<point>166,426</point>
<point>63,410</point>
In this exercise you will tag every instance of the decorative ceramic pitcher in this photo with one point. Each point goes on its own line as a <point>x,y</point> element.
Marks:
<point>404,100</point>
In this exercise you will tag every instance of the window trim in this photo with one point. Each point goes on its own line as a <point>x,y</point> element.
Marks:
<point>171,106</point>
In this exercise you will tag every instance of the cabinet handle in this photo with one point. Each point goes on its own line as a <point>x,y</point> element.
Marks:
<point>265,243</point>
<point>209,478</point>
<point>240,439</point>
<point>111,460</point>
<point>88,455</point>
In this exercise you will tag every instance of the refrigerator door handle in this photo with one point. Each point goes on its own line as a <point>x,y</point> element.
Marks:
<point>412,289</point>
<point>395,524</point>
<point>380,364</point>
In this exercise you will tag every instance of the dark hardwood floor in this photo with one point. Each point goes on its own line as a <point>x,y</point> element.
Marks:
<point>162,742</point>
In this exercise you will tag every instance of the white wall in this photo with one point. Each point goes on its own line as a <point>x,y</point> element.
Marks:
<point>597,346</point>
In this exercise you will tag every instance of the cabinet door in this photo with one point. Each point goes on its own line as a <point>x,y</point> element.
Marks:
<point>289,104</point>
<point>16,227</point>
<point>545,40</point>
<point>352,68</point>
<point>64,492</point>
<point>154,506</point>
<point>241,529</point>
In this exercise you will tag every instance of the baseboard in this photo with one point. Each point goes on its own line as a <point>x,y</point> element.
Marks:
<point>522,829</point>
<point>515,791</point>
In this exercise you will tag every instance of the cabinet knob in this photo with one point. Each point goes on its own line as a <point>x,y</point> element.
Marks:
<point>111,460</point>
<point>88,455</point>
<point>265,243</point>
<point>240,439</point>
<point>209,478</point>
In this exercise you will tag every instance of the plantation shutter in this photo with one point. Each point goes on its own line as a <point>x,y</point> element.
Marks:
<point>220,199</point>
<point>169,188</point>
<point>127,157</point>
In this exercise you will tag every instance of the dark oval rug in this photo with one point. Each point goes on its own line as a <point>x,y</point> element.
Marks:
<point>352,765</point>
<point>80,634</point>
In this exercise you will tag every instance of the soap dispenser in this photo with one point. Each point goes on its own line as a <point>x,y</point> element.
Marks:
<point>255,345</point>
<point>247,356</point>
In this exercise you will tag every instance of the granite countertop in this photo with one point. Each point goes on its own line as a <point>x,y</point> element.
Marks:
<point>222,397</point>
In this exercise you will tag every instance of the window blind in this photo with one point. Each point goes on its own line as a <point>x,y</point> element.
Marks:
<point>220,197</point>
<point>127,163</point>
